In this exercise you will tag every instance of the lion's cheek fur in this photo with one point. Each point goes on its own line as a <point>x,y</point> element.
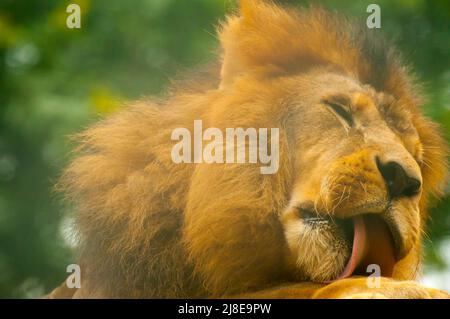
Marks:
<point>231,230</point>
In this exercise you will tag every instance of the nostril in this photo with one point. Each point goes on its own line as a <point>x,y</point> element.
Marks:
<point>413,187</point>
<point>397,180</point>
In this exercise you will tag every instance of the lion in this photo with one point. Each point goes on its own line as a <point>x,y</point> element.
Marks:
<point>358,165</point>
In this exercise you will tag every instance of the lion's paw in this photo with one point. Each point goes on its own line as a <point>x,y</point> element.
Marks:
<point>358,288</point>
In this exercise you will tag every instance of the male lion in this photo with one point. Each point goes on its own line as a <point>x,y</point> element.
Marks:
<point>358,163</point>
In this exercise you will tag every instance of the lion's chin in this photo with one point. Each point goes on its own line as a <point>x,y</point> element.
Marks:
<point>319,248</point>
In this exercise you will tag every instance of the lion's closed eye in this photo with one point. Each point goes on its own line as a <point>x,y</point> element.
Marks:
<point>340,111</point>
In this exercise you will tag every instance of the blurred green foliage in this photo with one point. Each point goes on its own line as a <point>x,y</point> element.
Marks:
<point>54,81</point>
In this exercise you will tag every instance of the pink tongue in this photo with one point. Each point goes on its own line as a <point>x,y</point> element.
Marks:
<point>359,247</point>
<point>372,244</point>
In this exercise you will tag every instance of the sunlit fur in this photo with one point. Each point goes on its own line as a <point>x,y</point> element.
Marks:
<point>152,228</point>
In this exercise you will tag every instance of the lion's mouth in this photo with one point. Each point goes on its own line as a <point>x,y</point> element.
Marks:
<point>374,243</point>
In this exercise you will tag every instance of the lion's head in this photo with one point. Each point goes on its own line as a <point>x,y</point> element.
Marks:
<point>357,164</point>
<point>358,203</point>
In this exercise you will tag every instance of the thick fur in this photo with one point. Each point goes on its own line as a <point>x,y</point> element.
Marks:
<point>152,228</point>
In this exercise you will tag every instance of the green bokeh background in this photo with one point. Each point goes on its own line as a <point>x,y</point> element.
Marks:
<point>54,81</point>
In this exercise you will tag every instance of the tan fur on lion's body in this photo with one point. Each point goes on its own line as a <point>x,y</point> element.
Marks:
<point>150,228</point>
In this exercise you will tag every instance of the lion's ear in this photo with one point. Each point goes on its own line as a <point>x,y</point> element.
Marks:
<point>253,38</point>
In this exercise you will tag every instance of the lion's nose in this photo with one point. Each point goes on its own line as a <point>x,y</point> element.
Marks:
<point>398,182</point>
